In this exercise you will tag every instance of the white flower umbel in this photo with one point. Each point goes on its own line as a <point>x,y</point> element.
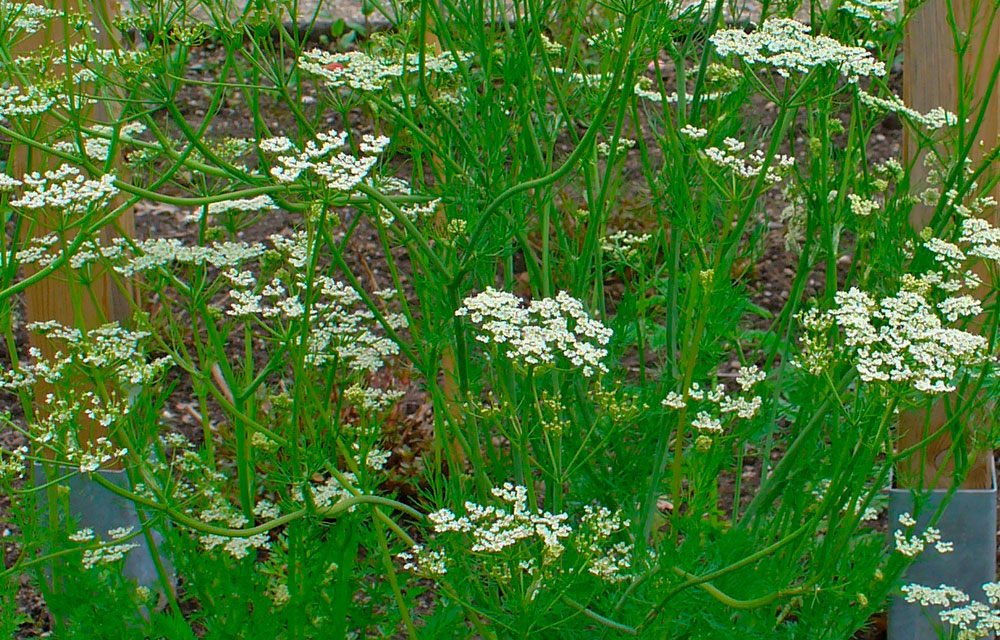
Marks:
<point>536,540</point>
<point>751,166</point>
<point>716,406</point>
<point>973,619</point>
<point>323,159</point>
<point>692,132</point>
<point>25,16</point>
<point>494,529</point>
<point>236,547</point>
<point>624,245</point>
<point>936,118</point>
<point>540,333</point>
<point>260,203</point>
<point>862,207</point>
<point>162,252</point>
<point>871,11</point>
<point>113,350</point>
<point>358,70</point>
<point>342,328</point>
<point>12,463</point>
<point>914,544</point>
<point>14,103</point>
<point>106,554</point>
<point>431,563</point>
<point>97,145</point>
<point>902,338</point>
<point>65,189</point>
<point>787,47</point>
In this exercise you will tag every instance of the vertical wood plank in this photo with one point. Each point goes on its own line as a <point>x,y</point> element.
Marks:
<point>100,301</point>
<point>931,79</point>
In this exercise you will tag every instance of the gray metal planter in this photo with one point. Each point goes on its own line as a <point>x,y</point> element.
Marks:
<point>970,522</point>
<point>96,508</point>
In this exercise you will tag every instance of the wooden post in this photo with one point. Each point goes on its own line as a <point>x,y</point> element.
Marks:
<point>52,298</point>
<point>931,79</point>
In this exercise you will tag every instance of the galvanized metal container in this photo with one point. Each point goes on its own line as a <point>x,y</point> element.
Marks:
<point>970,522</point>
<point>94,507</point>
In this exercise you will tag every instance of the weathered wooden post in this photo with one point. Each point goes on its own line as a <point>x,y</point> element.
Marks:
<point>69,300</point>
<point>52,297</point>
<point>932,71</point>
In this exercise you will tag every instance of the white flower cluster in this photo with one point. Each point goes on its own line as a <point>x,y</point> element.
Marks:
<point>8,183</point>
<point>900,338</point>
<point>341,326</point>
<point>597,526</point>
<point>973,620</point>
<point>106,554</point>
<point>936,118</point>
<point>65,189</point>
<point>413,212</point>
<point>82,535</point>
<point>94,454</point>
<point>266,509</point>
<point>236,547</point>
<point>56,430</point>
<point>518,529</point>
<point>624,245</point>
<point>542,331</point>
<point>717,403</point>
<point>12,463</point>
<point>692,132</point>
<point>259,203</point>
<point>14,104</point>
<point>973,201</point>
<point>981,238</point>
<point>280,595</point>
<point>862,207</point>
<point>644,89</point>
<point>586,79</point>
<point>371,399</point>
<point>426,562</point>
<point>332,491</point>
<point>109,348</point>
<point>322,157</point>
<point>786,46</point>
<point>750,167</point>
<point>871,10</point>
<point>493,529</point>
<point>161,252</point>
<point>942,596</point>
<point>376,459</point>
<point>624,144</point>
<point>549,46</point>
<point>913,545</point>
<point>26,16</point>
<point>358,70</point>
<point>98,147</point>
<point>870,513</point>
